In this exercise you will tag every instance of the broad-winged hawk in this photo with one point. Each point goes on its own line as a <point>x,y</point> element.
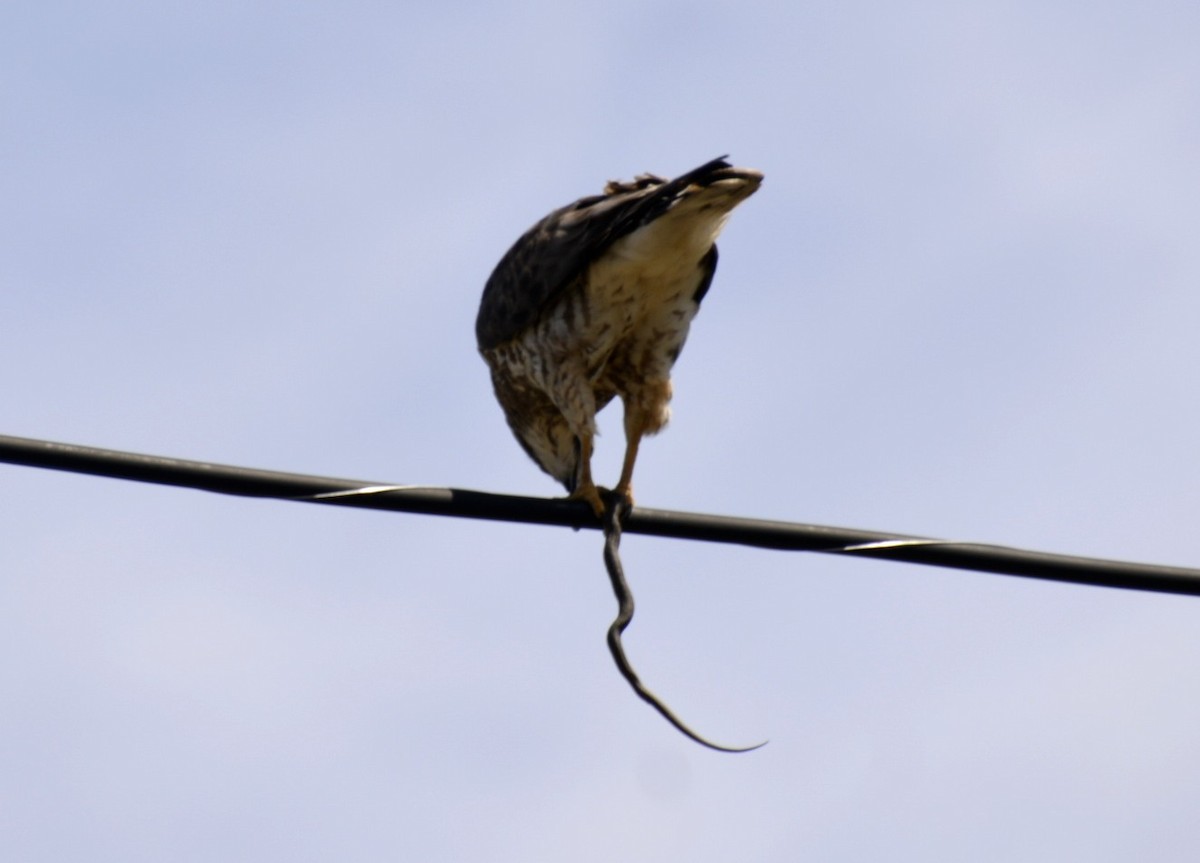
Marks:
<point>594,302</point>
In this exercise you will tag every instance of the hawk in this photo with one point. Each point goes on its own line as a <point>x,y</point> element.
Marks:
<point>594,302</point>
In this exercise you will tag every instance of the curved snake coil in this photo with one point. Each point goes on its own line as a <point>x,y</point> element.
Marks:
<point>615,510</point>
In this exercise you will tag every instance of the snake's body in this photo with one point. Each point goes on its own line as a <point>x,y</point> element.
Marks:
<point>614,511</point>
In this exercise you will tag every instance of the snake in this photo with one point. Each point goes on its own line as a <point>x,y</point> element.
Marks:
<point>617,509</point>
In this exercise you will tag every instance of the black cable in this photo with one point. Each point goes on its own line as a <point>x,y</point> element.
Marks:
<point>784,536</point>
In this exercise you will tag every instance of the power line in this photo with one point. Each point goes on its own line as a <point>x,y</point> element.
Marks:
<point>783,536</point>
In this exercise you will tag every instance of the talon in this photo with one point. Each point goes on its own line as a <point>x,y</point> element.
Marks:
<point>591,495</point>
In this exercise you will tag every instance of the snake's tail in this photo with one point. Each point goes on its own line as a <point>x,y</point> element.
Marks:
<point>616,509</point>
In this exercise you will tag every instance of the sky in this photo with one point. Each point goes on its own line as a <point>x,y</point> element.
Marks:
<point>962,305</point>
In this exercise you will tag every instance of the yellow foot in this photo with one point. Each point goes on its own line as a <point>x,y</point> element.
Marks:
<point>624,490</point>
<point>591,495</point>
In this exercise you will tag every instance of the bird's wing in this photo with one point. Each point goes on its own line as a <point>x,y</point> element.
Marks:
<point>556,252</point>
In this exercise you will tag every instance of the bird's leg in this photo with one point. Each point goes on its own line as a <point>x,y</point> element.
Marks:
<point>585,487</point>
<point>646,412</point>
<point>633,439</point>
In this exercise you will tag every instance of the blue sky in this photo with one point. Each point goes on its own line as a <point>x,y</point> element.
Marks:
<point>963,304</point>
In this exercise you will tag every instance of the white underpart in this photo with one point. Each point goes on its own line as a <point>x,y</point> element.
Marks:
<point>645,284</point>
<point>676,240</point>
<point>643,294</point>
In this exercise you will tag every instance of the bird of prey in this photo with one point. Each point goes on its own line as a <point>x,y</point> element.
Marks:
<point>594,302</point>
